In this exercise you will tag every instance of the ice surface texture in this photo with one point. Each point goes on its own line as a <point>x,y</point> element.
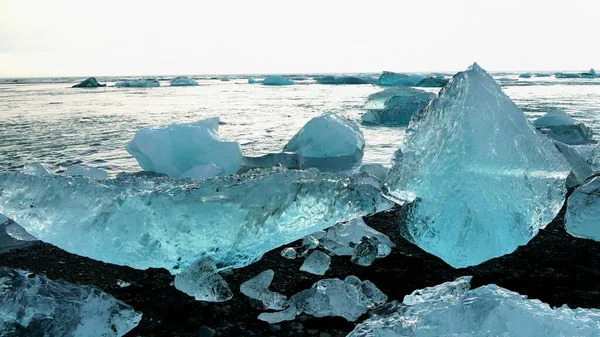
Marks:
<point>399,104</point>
<point>329,140</point>
<point>451,309</point>
<point>185,150</point>
<point>594,158</point>
<point>147,83</point>
<point>481,178</point>
<point>388,78</point>
<point>86,171</point>
<point>560,126</point>
<point>145,221</point>
<point>583,211</point>
<point>183,81</point>
<point>580,169</point>
<point>277,80</point>
<point>32,305</point>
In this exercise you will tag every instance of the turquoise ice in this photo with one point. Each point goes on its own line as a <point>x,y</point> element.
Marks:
<point>277,80</point>
<point>183,81</point>
<point>583,211</point>
<point>388,78</point>
<point>395,106</point>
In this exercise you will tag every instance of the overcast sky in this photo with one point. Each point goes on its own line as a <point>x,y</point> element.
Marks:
<point>129,37</point>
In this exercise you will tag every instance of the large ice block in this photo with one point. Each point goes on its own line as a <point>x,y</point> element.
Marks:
<point>452,309</point>
<point>147,221</point>
<point>481,179</point>
<point>583,211</point>
<point>399,104</point>
<point>184,150</point>
<point>32,305</point>
<point>560,126</point>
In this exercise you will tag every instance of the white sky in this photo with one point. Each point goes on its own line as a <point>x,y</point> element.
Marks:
<point>130,37</point>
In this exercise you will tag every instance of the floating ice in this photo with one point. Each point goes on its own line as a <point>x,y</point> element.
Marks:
<point>342,238</point>
<point>388,78</point>
<point>349,298</point>
<point>86,171</point>
<point>147,83</point>
<point>399,104</point>
<point>184,150</point>
<point>432,82</point>
<point>89,83</point>
<point>32,305</point>
<point>481,178</point>
<point>580,169</point>
<point>560,126</point>
<point>329,141</point>
<point>583,211</point>
<point>183,81</point>
<point>253,80</point>
<point>376,170</point>
<point>258,288</point>
<point>148,221</point>
<point>316,263</point>
<point>554,117</point>
<point>345,80</point>
<point>277,80</point>
<point>525,75</point>
<point>365,252</point>
<point>36,169</point>
<point>202,281</point>
<point>594,157</point>
<point>451,309</point>
<point>590,74</point>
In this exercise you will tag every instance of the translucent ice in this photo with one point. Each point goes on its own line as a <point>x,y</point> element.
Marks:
<point>36,169</point>
<point>202,281</point>
<point>342,238</point>
<point>148,221</point>
<point>258,288</point>
<point>328,141</point>
<point>583,211</point>
<point>560,126</point>
<point>316,263</point>
<point>377,170</point>
<point>289,314</point>
<point>183,150</point>
<point>365,252</point>
<point>432,82</point>
<point>594,157</point>
<point>481,178</point>
<point>3,218</point>
<point>388,78</point>
<point>345,80</point>
<point>32,305</point>
<point>277,80</point>
<point>86,171</point>
<point>183,81</point>
<point>451,309</point>
<point>289,253</point>
<point>580,169</point>
<point>146,83</point>
<point>399,104</point>
<point>253,80</point>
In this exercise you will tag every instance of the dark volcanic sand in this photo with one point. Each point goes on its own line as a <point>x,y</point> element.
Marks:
<point>554,267</point>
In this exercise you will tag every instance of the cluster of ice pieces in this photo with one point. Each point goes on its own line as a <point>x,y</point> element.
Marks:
<point>183,81</point>
<point>583,211</point>
<point>277,80</point>
<point>349,298</point>
<point>395,106</point>
<point>590,74</point>
<point>150,221</point>
<point>452,309</point>
<point>32,305</point>
<point>560,126</point>
<point>192,150</point>
<point>470,137</point>
<point>145,83</point>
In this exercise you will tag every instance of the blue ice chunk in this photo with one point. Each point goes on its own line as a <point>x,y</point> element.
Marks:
<point>32,305</point>
<point>432,82</point>
<point>316,263</point>
<point>183,81</point>
<point>345,80</point>
<point>525,75</point>
<point>36,168</point>
<point>388,78</point>
<point>328,141</point>
<point>594,157</point>
<point>554,117</point>
<point>376,170</point>
<point>258,288</point>
<point>277,80</point>
<point>583,211</point>
<point>580,169</point>
<point>253,80</point>
<point>184,150</point>
<point>145,83</point>
<point>153,221</point>
<point>202,281</point>
<point>481,179</point>
<point>452,309</point>
<point>395,106</point>
<point>560,126</point>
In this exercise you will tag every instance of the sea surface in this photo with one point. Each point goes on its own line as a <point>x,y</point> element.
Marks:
<point>45,120</point>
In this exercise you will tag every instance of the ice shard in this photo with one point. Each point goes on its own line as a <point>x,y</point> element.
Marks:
<point>184,150</point>
<point>395,106</point>
<point>32,305</point>
<point>560,126</point>
<point>580,169</point>
<point>481,180</point>
<point>202,281</point>
<point>152,221</point>
<point>452,309</point>
<point>365,252</point>
<point>258,288</point>
<point>583,211</point>
<point>376,170</point>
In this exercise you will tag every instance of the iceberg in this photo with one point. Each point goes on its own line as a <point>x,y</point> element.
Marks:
<point>388,78</point>
<point>345,80</point>
<point>452,309</point>
<point>33,305</point>
<point>258,288</point>
<point>185,150</point>
<point>147,221</point>
<point>183,81</point>
<point>399,104</point>
<point>86,171</point>
<point>146,83</point>
<point>525,75</point>
<point>580,169</point>
<point>558,125</point>
<point>89,83</point>
<point>316,263</point>
<point>202,281</point>
<point>480,179</point>
<point>253,80</point>
<point>583,211</point>
<point>277,80</point>
<point>329,141</point>
<point>554,117</point>
<point>432,82</point>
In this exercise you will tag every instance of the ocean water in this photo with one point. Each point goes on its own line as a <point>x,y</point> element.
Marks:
<point>46,120</point>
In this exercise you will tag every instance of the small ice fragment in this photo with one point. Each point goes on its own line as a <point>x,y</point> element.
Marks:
<point>202,281</point>
<point>365,252</point>
<point>316,263</point>
<point>289,253</point>
<point>123,284</point>
<point>258,288</point>
<point>280,316</point>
